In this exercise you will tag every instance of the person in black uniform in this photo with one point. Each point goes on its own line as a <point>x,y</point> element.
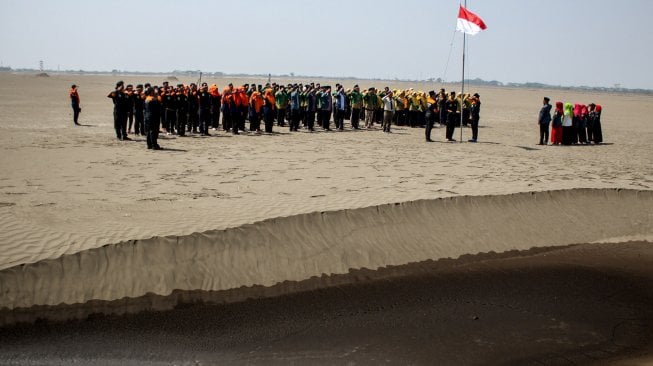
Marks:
<point>120,109</point>
<point>204,100</point>
<point>152,118</point>
<point>139,124</point>
<point>129,90</point>
<point>170,110</point>
<point>181,101</point>
<point>74,102</point>
<point>452,108</point>
<point>475,111</point>
<point>193,106</point>
<point>429,117</point>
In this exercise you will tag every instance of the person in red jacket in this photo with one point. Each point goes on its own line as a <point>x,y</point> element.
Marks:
<point>74,102</point>
<point>242,102</point>
<point>255,109</point>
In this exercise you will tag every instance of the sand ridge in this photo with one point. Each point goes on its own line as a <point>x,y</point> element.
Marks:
<point>296,248</point>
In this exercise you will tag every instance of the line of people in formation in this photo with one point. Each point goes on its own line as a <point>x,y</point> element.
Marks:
<point>197,109</point>
<point>570,124</point>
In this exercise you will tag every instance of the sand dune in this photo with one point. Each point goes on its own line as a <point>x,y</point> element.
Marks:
<point>296,248</point>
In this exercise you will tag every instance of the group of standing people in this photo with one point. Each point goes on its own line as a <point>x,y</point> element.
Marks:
<point>570,124</point>
<point>191,109</point>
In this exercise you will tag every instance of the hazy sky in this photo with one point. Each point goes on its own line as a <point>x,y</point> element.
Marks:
<point>566,42</point>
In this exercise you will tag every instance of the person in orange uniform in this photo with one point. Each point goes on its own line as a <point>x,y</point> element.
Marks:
<point>268,109</point>
<point>216,103</point>
<point>255,109</point>
<point>241,101</point>
<point>228,107</point>
<point>74,102</point>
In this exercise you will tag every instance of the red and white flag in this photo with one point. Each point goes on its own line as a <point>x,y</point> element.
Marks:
<point>469,22</point>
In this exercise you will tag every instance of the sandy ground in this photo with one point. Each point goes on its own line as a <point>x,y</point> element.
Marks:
<point>586,304</point>
<point>77,206</point>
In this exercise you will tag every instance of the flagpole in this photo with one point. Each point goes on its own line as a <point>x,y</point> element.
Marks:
<point>462,88</point>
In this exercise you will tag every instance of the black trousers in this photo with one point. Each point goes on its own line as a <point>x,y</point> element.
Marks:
<point>139,122</point>
<point>294,119</point>
<point>76,111</point>
<point>193,120</point>
<point>309,120</point>
<point>475,128</point>
<point>443,116</point>
<point>215,117</point>
<point>544,133</point>
<point>152,127</point>
<point>130,119</point>
<point>325,119</point>
<point>340,119</point>
<point>120,123</point>
<point>429,127</point>
<point>452,121</point>
<point>242,117</point>
<point>268,116</point>
<point>254,121</point>
<point>182,120</point>
<point>355,118</point>
<point>171,120</point>
<point>281,117</point>
<point>205,121</point>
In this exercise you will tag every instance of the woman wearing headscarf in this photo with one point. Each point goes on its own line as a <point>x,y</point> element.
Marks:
<point>582,125</point>
<point>597,133</point>
<point>556,124</point>
<point>576,122</point>
<point>568,131</point>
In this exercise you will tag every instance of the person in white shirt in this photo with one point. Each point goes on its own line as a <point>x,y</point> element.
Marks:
<point>389,108</point>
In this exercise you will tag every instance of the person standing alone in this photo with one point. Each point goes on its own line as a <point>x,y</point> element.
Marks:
<point>74,102</point>
<point>543,120</point>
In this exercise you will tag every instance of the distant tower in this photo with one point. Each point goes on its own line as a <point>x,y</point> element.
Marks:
<point>41,65</point>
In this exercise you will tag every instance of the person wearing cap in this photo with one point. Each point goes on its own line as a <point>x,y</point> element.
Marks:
<point>256,103</point>
<point>170,110</point>
<point>340,108</point>
<point>389,106</point>
<point>429,115</point>
<point>356,102</point>
<point>204,102</point>
<point>193,108</point>
<point>452,116</point>
<point>311,108</point>
<point>152,119</point>
<point>120,109</point>
<point>74,103</point>
<point>294,108</point>
<point>543,120</point>
<point>181,101</point>
<point>139,122</point>
<point>369,103</point>
<point>129,90</point>
<point>281,100</point>
<point>325,105</point>
<point>475,115</point>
